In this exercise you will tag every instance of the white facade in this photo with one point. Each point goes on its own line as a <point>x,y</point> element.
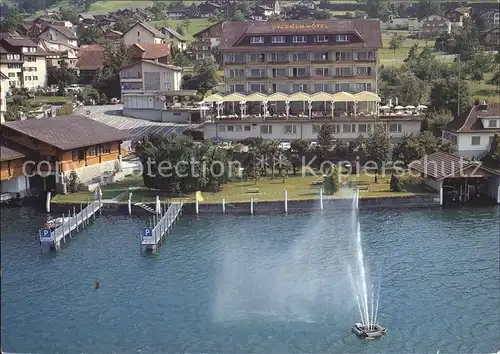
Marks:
<point>140,35</point>
<point>35,72</point>
<point>20,184</point>
<point>147,76</point>
<point>470,144</point>
<point>306,130</point>
<point>3,101</point>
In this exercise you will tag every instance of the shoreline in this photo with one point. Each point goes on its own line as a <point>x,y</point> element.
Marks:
<point>274,206</point>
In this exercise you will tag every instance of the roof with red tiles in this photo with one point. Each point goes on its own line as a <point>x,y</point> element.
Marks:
<point>368,30</point>
<point>470,121</point>
<point>90,57</point>
<point>152,51</point>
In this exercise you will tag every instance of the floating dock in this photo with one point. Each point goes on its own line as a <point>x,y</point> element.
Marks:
<point>51,239</point>
<point>152,238</point>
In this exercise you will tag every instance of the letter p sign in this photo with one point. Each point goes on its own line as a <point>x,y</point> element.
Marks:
<point>46,233</point>
<point>147,232</point>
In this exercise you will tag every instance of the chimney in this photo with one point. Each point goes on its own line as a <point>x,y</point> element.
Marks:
<point>483,106</point>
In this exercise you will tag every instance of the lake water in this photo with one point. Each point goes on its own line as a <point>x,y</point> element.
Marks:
<point>262,284</point>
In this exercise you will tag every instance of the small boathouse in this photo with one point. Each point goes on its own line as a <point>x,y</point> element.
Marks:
<point>13,182</point>
<point>459,180</point>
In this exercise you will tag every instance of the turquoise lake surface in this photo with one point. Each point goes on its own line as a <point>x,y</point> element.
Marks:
<point>261,284</point>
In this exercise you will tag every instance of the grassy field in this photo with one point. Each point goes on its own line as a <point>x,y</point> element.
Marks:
<point>101,7</point>
<point>401,53</point>
<point>483,91</point>
<point>195,25</point>
<point>266,189</point>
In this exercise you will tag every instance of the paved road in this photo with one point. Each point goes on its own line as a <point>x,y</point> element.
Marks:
<point>111,115</point>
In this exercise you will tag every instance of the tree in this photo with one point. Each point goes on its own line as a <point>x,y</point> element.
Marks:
<point>238,16</point>
<point>396,41</point>
<point>492,158</point>
<point>331,183</point>
<point>396,184</point>
<point>90,35</point>
<point>62,76</point>
<point>193,11</point>
<point>68,14</point>
<point>468,41</point>
<point>326,140</point>
<point>426,8</point>
<point>186,24</point>
<point>73,182</point>
<point>378,9</point>
<point>107,80</point>
<point>378,147</point>
<point>411,90</point>
<point>449,94</point>
<point>205,76</point>
<point>181,59</point>
<point>122,24</point>
<point>11,20</point>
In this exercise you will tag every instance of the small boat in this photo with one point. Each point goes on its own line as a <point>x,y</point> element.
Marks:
<point>54,223</point>
<point>368,332</point>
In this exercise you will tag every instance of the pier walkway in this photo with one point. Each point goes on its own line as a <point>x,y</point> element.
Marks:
<point>152,238</point>
<point>51,239</point>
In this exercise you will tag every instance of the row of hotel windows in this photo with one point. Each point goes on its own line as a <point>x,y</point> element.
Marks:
<point>79,154</point>
<point>342,38</point>
<point>292,88</point>
<point>301,56</point>
<point>298,72</point>
<point>11,74</point>
<point>18,56</point>
<point>292,128</point>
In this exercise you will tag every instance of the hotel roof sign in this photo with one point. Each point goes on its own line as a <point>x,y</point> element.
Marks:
<point>300,26</point>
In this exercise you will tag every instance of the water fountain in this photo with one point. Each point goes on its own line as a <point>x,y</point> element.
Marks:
<point>366,299</point>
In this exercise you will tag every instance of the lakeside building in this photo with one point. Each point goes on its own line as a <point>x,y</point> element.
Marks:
<point>206,40</point>
<point>12,179</point>
<point>272,117</point>
<point>301,56</point>
<point>23,62</point>
<point>4,87</point>
<point>65,144</point>
<point>472,132</point>
<point>149,76</point>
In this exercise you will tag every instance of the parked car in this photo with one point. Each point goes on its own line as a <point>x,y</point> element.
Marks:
<point>114,100</point>
<point>285,145</point>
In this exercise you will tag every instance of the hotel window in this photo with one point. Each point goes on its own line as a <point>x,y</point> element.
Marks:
<point>492,123</point>
<point>257,57</point>
<point>364,56</point>
<point>342,38</point>
<point>258,73</point>
<point>279,72</point>
<point>235,58</point>
<point>337,128</point>
<point>230,128</point>
<point>300,56</point>
<point>475,140</point>
<point>237,88</point>
<point>298,72</point>
<point>316,128</point>
<point>278,39</point>
<point>322,72</point>
<point>349,128</point>
<point>321,56</point>
<point>236,73</point>
<point>343,55</point>
<point>299,39</point>
<point>247,128</point>
<point>299,88</point>
<point>364,71</point>
<point>92,151</point>
<point>261,88</point>
<point>222,129</point>
<point>283,88</point>
<point>279,57</point>
<point>27,78</point>
<point>345,71</point>
<point>321,39</point>
<point>35,78</point>
<point>395,128</point>
<point>266,129</point>
<point>322,87</point>
<point>257,40</point>
<point>33,49</point>
<point>364,128</point>
<point>238,128</point>
<point>290,129</point>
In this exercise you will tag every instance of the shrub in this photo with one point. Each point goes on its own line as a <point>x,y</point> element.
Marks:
<point>73,182</point>
<point>65,110</point>
<point>331,182</point>
<point>396,184</point>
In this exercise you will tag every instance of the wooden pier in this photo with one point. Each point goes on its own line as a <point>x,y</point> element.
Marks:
<point>51,239</point>
<point>153,237</point>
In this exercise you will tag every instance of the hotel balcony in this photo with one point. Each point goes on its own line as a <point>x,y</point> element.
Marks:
<point>239,62</point>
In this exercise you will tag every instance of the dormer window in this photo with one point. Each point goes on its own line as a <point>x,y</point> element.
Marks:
<point>257,40</point>
<point>33,49</point>
<point>492,123</point>
<point>299,39</point>
<point>321,39</point>
<point>342,38</point>
<point>278,39</point>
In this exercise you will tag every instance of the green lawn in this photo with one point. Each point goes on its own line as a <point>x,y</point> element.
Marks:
<point>195,25</point>
<point>108,192</point>
<point>483,91</point>
<point>401,53</point>
<point>298,187</point>
<point>105,6</point>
